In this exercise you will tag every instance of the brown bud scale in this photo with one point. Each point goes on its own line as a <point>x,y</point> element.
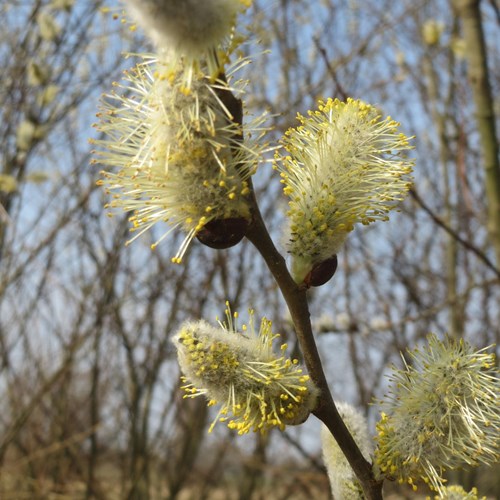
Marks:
<point>223,233</point>
<point>321,272</point>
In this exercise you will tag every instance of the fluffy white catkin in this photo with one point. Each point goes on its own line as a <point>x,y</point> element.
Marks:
<point>188,27</point>
<point>343,481</point>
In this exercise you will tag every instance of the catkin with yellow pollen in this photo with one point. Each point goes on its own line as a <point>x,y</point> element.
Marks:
<point>175,155</point>
<point>344,164</point>
<point>441,412</point>
<point>256,388</point>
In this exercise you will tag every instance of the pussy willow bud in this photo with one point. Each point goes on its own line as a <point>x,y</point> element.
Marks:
<point>442,412</point>
<point>256,388</point>
<point>343,480</point>
<point>344,165</point>
<point>176,155</point>
<point>189,29</point>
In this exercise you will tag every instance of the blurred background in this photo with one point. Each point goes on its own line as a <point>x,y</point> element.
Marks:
<point>91,406</point>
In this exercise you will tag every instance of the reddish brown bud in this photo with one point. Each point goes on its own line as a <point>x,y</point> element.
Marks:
<point>223,233</point>
<point>321,273</point>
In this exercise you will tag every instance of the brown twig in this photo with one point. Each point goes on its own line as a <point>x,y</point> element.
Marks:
<point>296,299</point>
